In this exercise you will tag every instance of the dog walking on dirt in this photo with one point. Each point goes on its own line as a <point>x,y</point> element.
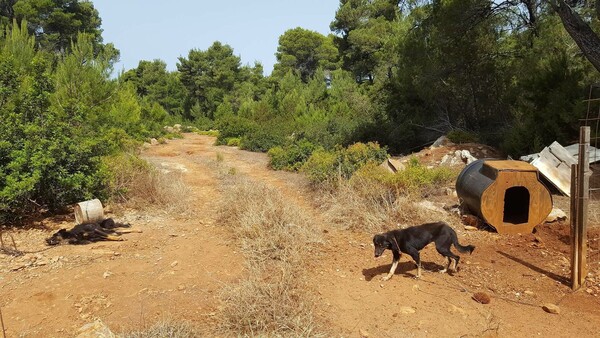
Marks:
<point>411,240</point>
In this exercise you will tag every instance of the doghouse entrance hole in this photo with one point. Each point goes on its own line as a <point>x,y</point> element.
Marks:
<point>516,205</point>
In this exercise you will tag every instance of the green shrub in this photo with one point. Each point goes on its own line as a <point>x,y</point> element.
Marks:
<point>460,136</point>
<point>188,129</point>
<point>415,178</point>
<point>418,177</point>
<point>59,119</point>
<point>260,140</point>
<point>278,158</point>
<point>210,132</point>
<point>325,166</point>
<point>233,126</point>
<point>233,142</point>
<point>49,170</point>
<point>358,155</point>
<point>321,166</point>
<point>291,157</point>
<point>171,136</point>
<point>204,123</point>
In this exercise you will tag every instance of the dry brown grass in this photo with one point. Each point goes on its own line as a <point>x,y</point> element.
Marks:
<point>275,237</point>
<point>268,304</point>
<point>165,328</point>
<point>137,184</point>
<point>363,204</point>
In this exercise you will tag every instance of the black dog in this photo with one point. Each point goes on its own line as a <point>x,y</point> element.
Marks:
<point>91,232</point>
<point>411,240</point>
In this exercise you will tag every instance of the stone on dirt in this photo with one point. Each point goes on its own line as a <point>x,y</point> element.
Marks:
<point>556,215</point>
<point>455,309</point>
<point>482,297</point>
<point>551,308</point>
<point>430,206</point>
<point>407,310</point>
<point>96,329</point>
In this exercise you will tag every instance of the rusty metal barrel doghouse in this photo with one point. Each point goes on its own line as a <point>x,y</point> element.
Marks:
<point>505,194</point>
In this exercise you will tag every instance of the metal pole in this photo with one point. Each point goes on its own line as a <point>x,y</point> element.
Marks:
<point>574,242</point>
<point>583,194</point>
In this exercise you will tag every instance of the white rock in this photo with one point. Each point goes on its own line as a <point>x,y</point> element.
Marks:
<point>466,156</point>
<point>447,160</point>
<point>455,309</point>
<point>556,215</point>
<point>428,205</point>
<point>407,310</point>
<point>96,329</point>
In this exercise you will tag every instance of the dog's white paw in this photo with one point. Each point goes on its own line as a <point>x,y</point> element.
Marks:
<point>443,270</point>
<point>385,278</point>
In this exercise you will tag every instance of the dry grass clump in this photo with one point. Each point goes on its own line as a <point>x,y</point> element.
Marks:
<point>268,226</point>
<point>165,328</point>
<point>275,237</point>
<point>137,184</point>
<point>364,204</point>
<point>268,304</point>
<point>374,199</point>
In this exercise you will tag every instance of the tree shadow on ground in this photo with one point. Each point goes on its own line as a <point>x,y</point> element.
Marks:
<point>558,278</point>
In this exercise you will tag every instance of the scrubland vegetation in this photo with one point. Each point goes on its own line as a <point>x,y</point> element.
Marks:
<point>391,78</point>
<point>496,73</point>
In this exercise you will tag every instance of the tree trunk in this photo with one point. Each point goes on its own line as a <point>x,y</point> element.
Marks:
<point>587,40</point>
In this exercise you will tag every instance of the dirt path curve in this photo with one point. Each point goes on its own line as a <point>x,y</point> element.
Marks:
<point>173,270</point>
<point>176,268</point>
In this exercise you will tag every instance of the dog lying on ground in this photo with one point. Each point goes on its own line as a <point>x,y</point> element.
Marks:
<point>411,240</point>
<point>107,230</point>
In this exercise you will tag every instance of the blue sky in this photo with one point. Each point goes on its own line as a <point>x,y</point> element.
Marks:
<point>148,30</point>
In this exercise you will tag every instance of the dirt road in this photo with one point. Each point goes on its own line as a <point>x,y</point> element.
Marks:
<point>177,266</point>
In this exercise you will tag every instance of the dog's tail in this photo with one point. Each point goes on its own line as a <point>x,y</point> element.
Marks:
<point>462,248</point>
